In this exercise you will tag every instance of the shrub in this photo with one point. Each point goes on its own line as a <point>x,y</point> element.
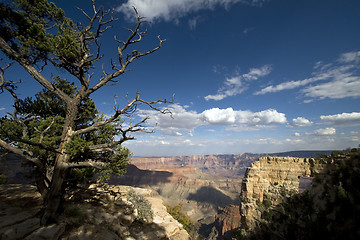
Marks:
<point>142,205</point>
<point>3,179</point>
<point>74,214</point>
<point>177,213</point>
<point>267,203</point>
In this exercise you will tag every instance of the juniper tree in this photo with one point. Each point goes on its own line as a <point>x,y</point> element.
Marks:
<point>59,129</point>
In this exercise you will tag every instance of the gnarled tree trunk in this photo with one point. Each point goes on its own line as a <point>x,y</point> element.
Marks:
<point>55,194</point>
<point>78,60</point>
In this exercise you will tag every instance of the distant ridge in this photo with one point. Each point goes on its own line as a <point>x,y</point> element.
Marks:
<point>301,154</point>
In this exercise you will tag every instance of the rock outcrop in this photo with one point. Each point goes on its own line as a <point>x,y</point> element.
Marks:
<point>228,220</point>
<point>96,213</point>
<point>271,179</point>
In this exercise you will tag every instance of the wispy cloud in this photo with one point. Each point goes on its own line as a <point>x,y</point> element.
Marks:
<point>182,120</point>
<point>335,89</point>
<point>350,57</point>
<point>238,84</point>
<point>342,118</point>
<point>175,9</point>
<point>193,22</point>
<point>247,30</point>
<point>2,109</point>
<point>336,80</point>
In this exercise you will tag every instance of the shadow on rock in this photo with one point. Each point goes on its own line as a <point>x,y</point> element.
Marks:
<point>212,196</point>
<point>88,214</point>
<point>138,177</point>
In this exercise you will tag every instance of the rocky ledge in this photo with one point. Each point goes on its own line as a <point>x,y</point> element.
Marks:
<point>270,180</point>
<point>94,213</point>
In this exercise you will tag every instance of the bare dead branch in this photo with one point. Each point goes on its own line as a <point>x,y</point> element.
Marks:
<point>135,36</point>
<point>22,153</point>
<point>103,70</point>
<point>10,87</point>
<point>126,135</point>
<point>93,5</point>
<point>90,163</point>
<point>88,17</point>
<point>32,70</point>
<point>43,66</point>
<point>127,110</point>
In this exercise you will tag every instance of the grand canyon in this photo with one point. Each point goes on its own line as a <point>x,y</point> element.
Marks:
<point>207,186</point>
<point>219,193</point>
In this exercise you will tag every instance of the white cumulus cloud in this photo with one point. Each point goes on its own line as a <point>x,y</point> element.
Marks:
<point>216,116</point>
<point>342,118</point>
<point>325,132</point>
<point>219,116</point>
<point>238,84</point>
<point>184,120</point>
<point>270,116</point>
<point>300,122</point>
<point>173,9</point>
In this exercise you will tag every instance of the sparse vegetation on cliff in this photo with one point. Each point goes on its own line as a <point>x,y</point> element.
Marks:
<point>142,206</point>
<point>177,213</point>
<point>2,179</point>
<point>330,209</point>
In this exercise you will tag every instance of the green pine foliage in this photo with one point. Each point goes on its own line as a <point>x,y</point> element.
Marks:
<point>59,130</point>
<point>50,111</point>
<point>25,26</point>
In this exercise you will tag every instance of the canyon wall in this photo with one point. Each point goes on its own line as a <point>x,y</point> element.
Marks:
<point>226,165</point>
<point>228,220</point>
<point>200,194</point>
<point>271,179</point>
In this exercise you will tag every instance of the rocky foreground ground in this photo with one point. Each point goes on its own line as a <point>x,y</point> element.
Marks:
<point>96,213</point>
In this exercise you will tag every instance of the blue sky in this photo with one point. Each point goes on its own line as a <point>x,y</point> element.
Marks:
<point>248,75</point>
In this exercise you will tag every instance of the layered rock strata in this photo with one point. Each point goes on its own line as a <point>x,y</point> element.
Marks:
<point>229,165</point>
<point>228,220</point>
<point>271,179</point>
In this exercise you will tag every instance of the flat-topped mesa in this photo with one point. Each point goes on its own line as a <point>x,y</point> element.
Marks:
<point>270,180</point>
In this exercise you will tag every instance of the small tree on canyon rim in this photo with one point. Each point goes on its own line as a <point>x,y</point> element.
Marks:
<point>60,130</point>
